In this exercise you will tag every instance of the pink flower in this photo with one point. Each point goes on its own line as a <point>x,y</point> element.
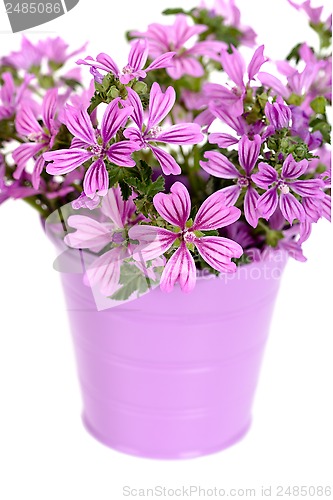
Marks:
<point>175,209</point>
<point>281,187</point>
<point>106,233</point>
<point>87,145</point>
<point>160,104</point>
<point>220,166</point>
<point>40,138</point>
<point>12,97</point>
<point>163,38</point>
<point>135,67</point>
<point>278,113</point>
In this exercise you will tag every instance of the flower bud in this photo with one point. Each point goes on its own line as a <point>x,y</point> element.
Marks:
<point>278,113</point>
<point>140,87</point>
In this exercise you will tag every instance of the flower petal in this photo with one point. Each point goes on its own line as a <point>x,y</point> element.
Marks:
<point>182,134</point>
<point>104,273</point>
<point>162,61</point>
<point>65,160</point>
<point>257,61</point>
<point>153,241</point>
<point>167,162</point>
<point>160,104</point>
<point>174,207</point>
<point>26,122</point>
<point>234,65</point>
<point>113,119</point>
<point>179,268</point>
<point>120,153</point>
<point>49,107</point>
<point>116,209</point>
<point>138,54</point>
<point>248,152</point>
<point>218,252</point>
<point>79,124</point>
<point>23,154</point>
<point>267,203</point>
<point>135,102</point>
<point>219,165</point>
<point>309,187</point>
<point>292,169</point>
<point>291,208</point>
<point>274,83</point>
<point>38,169</point>
<point>231,194</point>
<point>96,179</point>
<point>89,233</point>
<point>250,206</point>
<point>214,213</point>
<point>266,175</point>
<point>222,140</point>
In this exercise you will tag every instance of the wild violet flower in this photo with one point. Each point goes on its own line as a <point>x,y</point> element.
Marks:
<point>165,38</point>
<point>145,136</point>
<point>88,144</point>
<point>40,138</point>
<point>175,209</point>
<point>282,188</point>
<point>137,60</point>
<point>218,165</point>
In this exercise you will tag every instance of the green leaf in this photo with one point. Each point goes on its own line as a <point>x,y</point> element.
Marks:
<point>319,105</point>
<point>155,187</point>
<point>172,12</point>
<point>133,280</point>
<point>126,191</point>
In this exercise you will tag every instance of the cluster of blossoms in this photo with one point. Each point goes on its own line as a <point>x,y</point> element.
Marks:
<point>166,172</point>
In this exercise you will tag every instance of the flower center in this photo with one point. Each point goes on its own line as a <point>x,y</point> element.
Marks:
<point>155,131</point>
<point>97,150</point>
<point>188,236</point>
<point>127,70</point>
<point>284,188</point>
<point>243,182</point>
<point>36,137</point>
<point>118,238</point>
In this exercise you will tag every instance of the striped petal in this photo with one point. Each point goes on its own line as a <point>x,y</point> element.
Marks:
<point>174,207</point>
<point>181,269</point>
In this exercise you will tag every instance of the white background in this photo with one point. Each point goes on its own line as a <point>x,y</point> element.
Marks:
<point>45,454</point>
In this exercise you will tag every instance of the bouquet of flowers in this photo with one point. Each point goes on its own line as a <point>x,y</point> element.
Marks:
<point>185,161</point>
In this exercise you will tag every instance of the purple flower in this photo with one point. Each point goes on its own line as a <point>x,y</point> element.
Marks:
<point>281,187</point>
<point>220,166</point>
<point>278,113</point>
<point>175,209</point>
<point>160,104</point>
<point>55,50</point>
<point>12,97</point>
<point>314,13</point>
<point>88,144</point>
<point>40,138</point>
<point>163,38</point>
<point>109,227</point>
<point>239,125</point>
<point>232,16</point>
<point>29,56</point>
<point>136,62</point>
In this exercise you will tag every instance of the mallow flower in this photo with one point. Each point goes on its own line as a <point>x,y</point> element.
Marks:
<point>218,165</point>
<point>146,135</point>
<point>175,209</point>
<point>163,38</point>
<point>137,60</point>
<point>281,189</point>
<point>90,144</point>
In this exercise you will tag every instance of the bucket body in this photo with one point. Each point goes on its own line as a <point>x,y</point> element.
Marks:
<point>174,375</point>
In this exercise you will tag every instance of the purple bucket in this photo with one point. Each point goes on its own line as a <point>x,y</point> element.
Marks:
<point>174,375</point>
